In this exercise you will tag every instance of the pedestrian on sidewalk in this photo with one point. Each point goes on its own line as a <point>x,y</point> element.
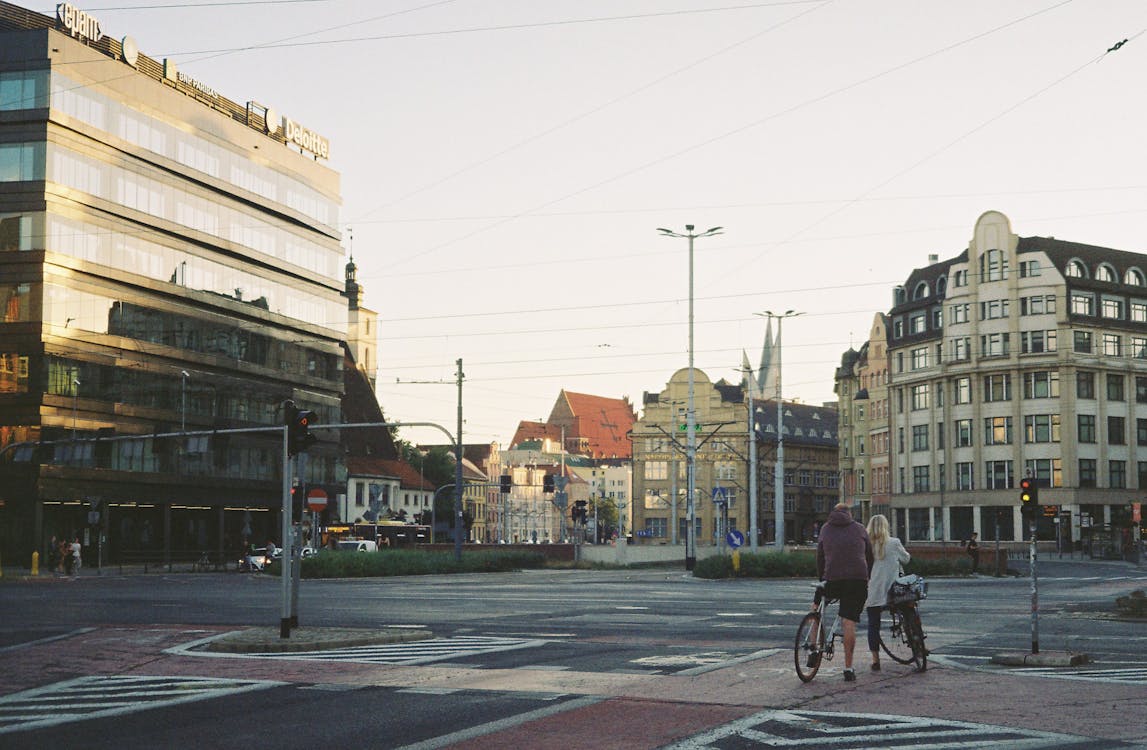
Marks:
<point>77,561</point>
<point>888,555</point>
<point>974,552</point>
<point>843,562</point>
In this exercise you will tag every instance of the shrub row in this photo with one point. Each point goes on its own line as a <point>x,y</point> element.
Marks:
<point>803,565</point>
<point>330,564</point>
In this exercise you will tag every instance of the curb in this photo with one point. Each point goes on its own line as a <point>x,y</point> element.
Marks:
<point>266,640</point>
<point>1043,659</point>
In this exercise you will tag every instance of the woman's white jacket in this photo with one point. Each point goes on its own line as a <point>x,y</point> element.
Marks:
<point>885,572</point>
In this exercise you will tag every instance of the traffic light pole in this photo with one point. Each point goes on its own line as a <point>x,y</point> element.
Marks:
<point>285,577</point>
<point>1035,588</point>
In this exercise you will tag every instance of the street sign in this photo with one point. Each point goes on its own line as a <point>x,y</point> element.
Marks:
<point>721,495</point>
<point>735,539</point>
<point>1136,512</point>
<point>317,499</point>
<point>1050,511</point>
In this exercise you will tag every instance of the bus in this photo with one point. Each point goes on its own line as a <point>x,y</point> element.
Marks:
<point>386,534</point>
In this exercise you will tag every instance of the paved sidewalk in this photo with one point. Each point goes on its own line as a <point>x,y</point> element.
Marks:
<point>269,640</point>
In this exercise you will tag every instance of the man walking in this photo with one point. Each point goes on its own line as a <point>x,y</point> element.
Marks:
<point>844,560</point>
<point>974,552</point>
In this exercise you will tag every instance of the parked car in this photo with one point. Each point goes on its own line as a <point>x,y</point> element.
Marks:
<point>257,559</point>
<point>356,545</point>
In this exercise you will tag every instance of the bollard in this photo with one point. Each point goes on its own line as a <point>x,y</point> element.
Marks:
<point>35,563</point>
<point>736,561</point>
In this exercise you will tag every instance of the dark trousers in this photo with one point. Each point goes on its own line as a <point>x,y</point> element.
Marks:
<point>874,628</point>
<point>975,555</point>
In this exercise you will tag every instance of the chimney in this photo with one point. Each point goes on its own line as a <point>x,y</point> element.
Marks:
<point>933,258</point>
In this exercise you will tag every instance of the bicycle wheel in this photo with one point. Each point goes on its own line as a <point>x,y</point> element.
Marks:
<point>809,648</point>
<point>916,637</point>
<point>894,638</point>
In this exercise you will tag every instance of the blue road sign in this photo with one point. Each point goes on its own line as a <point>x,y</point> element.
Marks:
<point>735,539</point>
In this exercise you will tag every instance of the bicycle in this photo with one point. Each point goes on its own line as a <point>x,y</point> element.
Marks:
<point>903,639</point>
<point>813,644</point>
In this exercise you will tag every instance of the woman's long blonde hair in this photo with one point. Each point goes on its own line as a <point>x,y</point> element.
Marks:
<point>878,533</point>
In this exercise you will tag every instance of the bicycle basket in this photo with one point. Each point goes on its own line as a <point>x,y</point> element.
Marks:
<point>909,588</point>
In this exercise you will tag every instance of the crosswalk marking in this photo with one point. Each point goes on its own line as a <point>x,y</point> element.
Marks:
<point>97,697</point>
<point>1105,674</point>
<point>853,730</point>
<point>409,653</point>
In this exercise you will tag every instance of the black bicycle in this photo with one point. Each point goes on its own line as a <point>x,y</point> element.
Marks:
<point>814,642</point>
<point>903,638</point>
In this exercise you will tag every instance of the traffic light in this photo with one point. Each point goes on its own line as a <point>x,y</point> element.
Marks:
<point>1029,496</point>
<point>507,483</point>
<point>577,512</point>
<point>548,484</point>
<point>299,437</point>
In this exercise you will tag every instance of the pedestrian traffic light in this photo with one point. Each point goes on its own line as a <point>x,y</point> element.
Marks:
<point>548,484</point>
<point>507,483</point>
<point>1029,495</point>
<point>299,421</point>
<point>577,512</point>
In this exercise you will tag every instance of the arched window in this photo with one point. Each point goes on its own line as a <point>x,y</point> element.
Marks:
<point>921,290</point>
<point>1133,277</point>
<point>1075,269</point>
<point>941,285</point>
<point>898,295</point>
<point>993,266</point>
<point>1104,272</point>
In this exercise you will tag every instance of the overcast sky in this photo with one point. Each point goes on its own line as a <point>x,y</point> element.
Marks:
<point>505,165</point>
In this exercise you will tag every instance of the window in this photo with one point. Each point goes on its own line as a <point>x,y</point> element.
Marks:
<point>998,475</point>
<point>940,436</point>
<point>1075,269</point>
<point>1048,472</point>
<point>917,323</point>
<point>1111,307</point>
<point>1029,268</point>
<point>937,318</point>
<point>1133,277</point>
<point>963,433</point>
<point>920,358</point>
<point>1138,347</point>
<point>1115,387</point>
<point>1041,384</point>
<point>993,309</point>
<point>657,527</point>
<point>961,349</point>
<point>1039,304</point>
<point>920,397</point>
<point>1085,385</point>
<point>898,328</point>
<point>1138,310</point>
<point>1087,472</point>
<point>960,278</point>
<point>920,478</point>
<point>1037,342</point>
<point>656,469</point>
<point>964,477</point>
<point>993,266</point>
<point>997,430</point>
<point>1041,428</point>
<point>962,390</point>
<point>959,313</point>
<point>859,446</point>
<point>921,290</point>
<point>1115,434</point>
<point>1112,345</point>
<point>1140,389</point>
<point>1141,431</point>
<point>997,387</point>
<point>1082,342</point>
<point>900,439</point>
<point>994,345</point>
<point>1117,474</point>
<point>1082,303</point>
<point>920,437</point>
<point>1086,428</point>
<point>1104,272</point>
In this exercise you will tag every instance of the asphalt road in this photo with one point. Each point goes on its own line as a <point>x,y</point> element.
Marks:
<point>588,658</point>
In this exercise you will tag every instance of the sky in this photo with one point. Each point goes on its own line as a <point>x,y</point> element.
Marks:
<point>505,166</point>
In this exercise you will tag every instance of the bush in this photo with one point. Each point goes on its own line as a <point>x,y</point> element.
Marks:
<point>413,562</point>
<point>760,565</point>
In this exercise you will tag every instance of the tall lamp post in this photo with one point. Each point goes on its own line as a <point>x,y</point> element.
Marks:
<point>779,473</point>
<point>183,402</point>
<point>75,397</point>
<point>691,415</point>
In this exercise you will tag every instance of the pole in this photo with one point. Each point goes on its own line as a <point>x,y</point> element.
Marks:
<point>673,498</point>
<point>458,474</point>
<point>998,572</point>
<point>285,612</point>
<point>779,469</point>
<point>752,474</point>
<point>691,434</point>
<point>1035,590</point>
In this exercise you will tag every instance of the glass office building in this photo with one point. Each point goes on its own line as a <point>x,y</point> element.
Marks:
<point>169,263</point>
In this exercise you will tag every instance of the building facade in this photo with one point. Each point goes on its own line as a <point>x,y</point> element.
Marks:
<point>1019,357</point>
<point>862,390</point>
<point>170,269</point>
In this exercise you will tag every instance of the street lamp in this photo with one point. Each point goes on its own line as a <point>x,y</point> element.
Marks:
<point>779,473</point>
<point>690,416</point>
<point>75,395</point>
<point>183,402</point>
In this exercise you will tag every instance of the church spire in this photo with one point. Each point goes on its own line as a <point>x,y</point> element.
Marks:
<point>767,375</point>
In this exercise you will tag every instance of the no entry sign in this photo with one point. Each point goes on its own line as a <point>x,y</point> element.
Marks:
<point>317,499</point>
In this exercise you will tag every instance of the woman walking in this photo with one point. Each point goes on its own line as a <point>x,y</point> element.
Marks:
<point>889,555</point>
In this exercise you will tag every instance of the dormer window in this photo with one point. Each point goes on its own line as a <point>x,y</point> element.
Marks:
<point>1075,269</point>
<point>921,290</point>
<point>1104,272</point>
